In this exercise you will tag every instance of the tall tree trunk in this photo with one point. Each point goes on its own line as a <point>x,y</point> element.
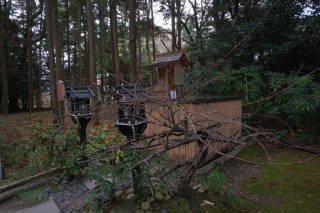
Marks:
<point>68,44</point>
<point>92,60</point>
<point>86,59</point>
<point>185,191</point>
<point>152,22</point>
<point>31,110</point>
<point>79,42</point>
<point>3,68</point>
<point>39,86</point>
<point>114,42</point>
<point>125,35</point>
<point>54,96</point>
<point>103,51</point>
<point>147,34</point>
<point>132,42</point>
<point>148,48</point>
<point>139,40</point>
<point>179,23</point>
<point>57,45</point>
<point>173,23</point>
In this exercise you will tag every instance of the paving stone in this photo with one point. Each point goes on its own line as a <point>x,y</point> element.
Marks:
<point>106,199</point>
<point>68,211</point>
<point>47,207</point>
<point>56,178</point>
<point>45,195</point>
<point>62,189</point>
<point>164,211</point>
<point>53,195</point>
<point>76,186</point>
<point>83,188</point>
<point>75,212</point>
<point>74,182</point>
<point>47,189</point>
<point>63,207</point>
<point>80,193</point>
<point>175,203</point>
<point>59,200</point>
<point>66,197</point>
<point>59,195</point>
<point>90,184</point>
<point>66,191</point>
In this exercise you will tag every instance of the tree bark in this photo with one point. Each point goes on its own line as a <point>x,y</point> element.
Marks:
<point>114,42</point>
<point>179,23</point>
<point>31,110</point>
<point>79,42</point>
<point>92,60</point>
<point>139,40</point>
<point>68,44</point>
<point>132,42</point>
<point>57,45</point>
<point>3,68</point>
<point>173,23</point>
<point>103,52</point>
<point>216,17</point>
<point>153,42</point>
<point>183,186</point>
<point>54,96</point>
<point>39,86</point>
<point>147,34</point>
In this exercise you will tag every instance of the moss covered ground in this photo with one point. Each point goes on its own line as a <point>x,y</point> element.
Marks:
<point>274,188</point>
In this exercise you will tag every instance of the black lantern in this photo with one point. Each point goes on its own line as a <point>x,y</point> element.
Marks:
<point>131,111</point>
<point>80,107</point>
<point>80,100</point>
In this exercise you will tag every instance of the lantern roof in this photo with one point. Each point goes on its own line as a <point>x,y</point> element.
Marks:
<point>171,57</point>
<point>83,92</point>
<point>134,90</point>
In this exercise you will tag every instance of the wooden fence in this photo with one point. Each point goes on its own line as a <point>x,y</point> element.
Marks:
<point>223,109</point>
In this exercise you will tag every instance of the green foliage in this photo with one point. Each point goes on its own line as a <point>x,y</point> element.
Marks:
<point>267,64</point>
<point>306,137</point>
<point>217,180</point>
<point>281,134</point>
<point>217,183</point>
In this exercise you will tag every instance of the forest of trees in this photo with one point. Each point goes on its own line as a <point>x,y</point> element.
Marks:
<point>80,41</point>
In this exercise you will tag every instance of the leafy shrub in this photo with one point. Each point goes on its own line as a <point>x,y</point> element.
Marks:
<point>217,184</point>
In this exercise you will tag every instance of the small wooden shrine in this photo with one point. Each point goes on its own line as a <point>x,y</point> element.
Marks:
<point>167,73</point>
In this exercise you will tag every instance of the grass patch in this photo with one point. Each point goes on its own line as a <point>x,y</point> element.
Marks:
<point>295,185</point>
<point>30,196</point>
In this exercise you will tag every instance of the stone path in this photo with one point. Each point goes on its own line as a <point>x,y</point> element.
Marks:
<point>47,207</point>
<point>70,199</point>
